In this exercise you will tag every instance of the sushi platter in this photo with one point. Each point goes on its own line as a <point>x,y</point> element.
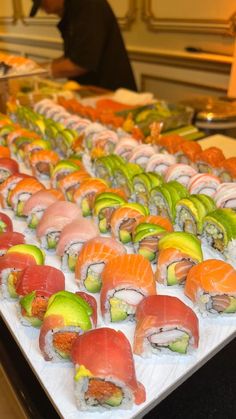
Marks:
<point>164,280</point>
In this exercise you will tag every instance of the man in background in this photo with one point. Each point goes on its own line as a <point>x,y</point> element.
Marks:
<point>94,51</point>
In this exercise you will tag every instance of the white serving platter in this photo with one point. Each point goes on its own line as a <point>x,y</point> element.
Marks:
<point>159,374</point>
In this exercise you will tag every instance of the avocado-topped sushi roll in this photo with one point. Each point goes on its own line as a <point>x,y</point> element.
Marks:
<point>65,140</point>
<point>123,177</point>
<point>191,211</point>
<point>104,206</point>
<point>34,285</point>
<point>17,258</point>
<point>211,285</point>
<point>124,218</point>
<point>126,280</point>
<point>85,195</point>
<point>101,385</point>
<point>143,183</point>
<point>166,325</point>
<point>67,315</point>
<point>219,231</point>
<point>178,252</point>
<point>105,166</point>
<point>95,253</point>
<point>62,169</point>
<point>163,199</point>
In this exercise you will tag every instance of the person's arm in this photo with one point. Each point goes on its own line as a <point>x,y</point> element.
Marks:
<point>64,67</point>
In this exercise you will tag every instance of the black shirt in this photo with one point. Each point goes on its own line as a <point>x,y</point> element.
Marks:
<point>92,40</point>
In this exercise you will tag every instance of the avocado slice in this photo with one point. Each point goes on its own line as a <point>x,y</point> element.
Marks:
<point>29,249</point>
<point>11,286</point>
<point>86,211</point>
<point>125,236</point>
<point>116,399</point>
<point>33,222</point>
<point>117,312</point>
<point>2,226</point>
<point>148,254</point>
<point>72,262</point>
<point>103,225</point>
<point>52,240</point>
<point>171,277</point>
<point>19,208</point>
<point>232,306</point>
<point>180,345</point>
<point>92,283</point>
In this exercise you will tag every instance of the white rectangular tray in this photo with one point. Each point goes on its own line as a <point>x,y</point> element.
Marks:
<point>160,374</point>
<point>226,144</point>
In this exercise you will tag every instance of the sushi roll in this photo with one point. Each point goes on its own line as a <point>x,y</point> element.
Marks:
<point>181,173</point>
<point>227,170</point>
<point>22,191</point>
<point>191,211</point>
<point>123,177</point>
<point>71,240</point>
<point>85,195</point>
<point>188,152</point>
<point>104,205</point>
<point>10,239</point>
<point>126,280</point>
<point>163,199</point>
<point>71,182</point>
<point>142,185</point>
<point>141,155</point>
<point>211,285</point>
<point>4,152</point>
<point>209,160</point>
<point>8,185</point>
<point>6,225</point>
<point>106,140</point>
<point>165,325</point>
<point>147,233</point>
<point>219,232</point>
<point>65,140</point>
<point>94,255</point>
<point>67,316</point>
<point>104,167</point>
<point>90,133</point>
<point>8,167</point>
<point>62,169</point>
<point>159,163</point>
<point>178,252</point>
<point>38,203</point>
<point>105,375</point>
<point>170,143</point>
<point>93,304</point>
<point>123,220</point>
<point>35,146</point>
<point>43,162</point>
<point>54,219</point>
<point>225,196</point>
<point>203,183</point>
<point>34,286</point>
<point>125,146</point>
<point>16,259</point>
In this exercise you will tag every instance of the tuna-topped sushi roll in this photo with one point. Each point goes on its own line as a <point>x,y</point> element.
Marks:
<point>203,183</point>
<point>8,185</point>
<point>178,252</point>
<point>54,219</point>
<point>180,172</point>
<point>211,285</point>
<point>10,239</point>
<point>159,163</point>
<point>85,195</point>
<point>191,211</point>
<point>165,325</point>
<point>16,259</point>
<point>227,170</point>
<point>163,199</point>
<point>104,206</point>
<point>22,192</point>
<point>126,280</point>
<point>71,240</point>
<point>94,255</point>
<point>38,203</point>
<point>123,177</point>
<point>62,169</point>
<point>124,218</point>
<point>34,286</point>
<point>104,371</point>
<point>141,155</point>
<point>8,167</point>
<point>6,225</point>
<point>225,196</point>
<point>219,231</point>
<point>67,315</point>
<point>42,163</point>
<point>147,233</point>
<point>71,182</point>
<point>143,183</point>
<point>209,160</point>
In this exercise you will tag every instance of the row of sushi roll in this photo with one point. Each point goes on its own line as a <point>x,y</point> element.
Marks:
<point>157,328</point>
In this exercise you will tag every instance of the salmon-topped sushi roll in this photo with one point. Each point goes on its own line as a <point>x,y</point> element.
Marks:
<point>123,220</point>
<point>22,192</point>
<point>71,182</point>
<point>85,195</point>
<point>42,163</point>
<point>8,167</point>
